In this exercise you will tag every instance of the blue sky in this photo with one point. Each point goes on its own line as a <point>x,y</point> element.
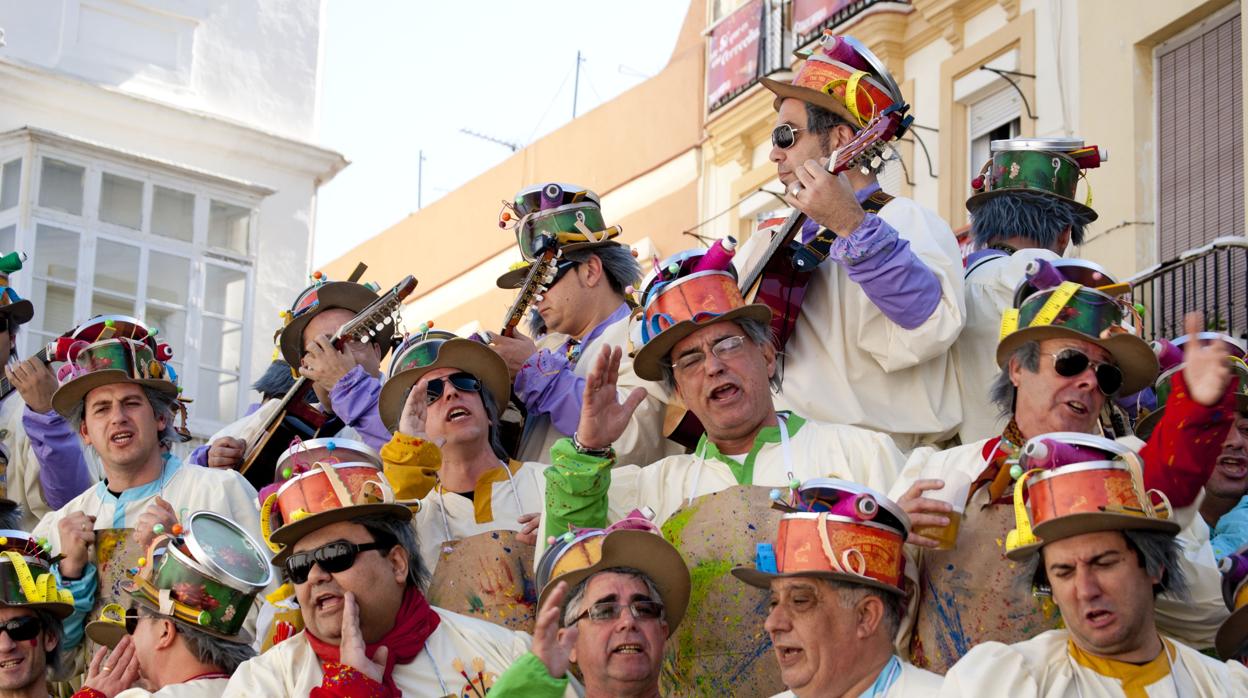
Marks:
<point>402,76</point>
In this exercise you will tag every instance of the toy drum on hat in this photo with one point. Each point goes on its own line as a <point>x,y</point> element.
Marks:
<point>323,495</point>
<point>721,648</point>
<point>303,456</point>
<point>487,576</point>
<point>26,578</point>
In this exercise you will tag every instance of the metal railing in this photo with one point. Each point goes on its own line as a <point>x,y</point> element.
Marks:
<point>1212,278</point>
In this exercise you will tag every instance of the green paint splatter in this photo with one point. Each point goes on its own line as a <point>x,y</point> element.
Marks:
<point>674,527</point>
<point>475,604</point>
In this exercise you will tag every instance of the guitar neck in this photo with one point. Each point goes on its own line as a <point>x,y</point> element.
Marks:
<point>788,230</point>
<point>6,387</point>
<point>524,298</point>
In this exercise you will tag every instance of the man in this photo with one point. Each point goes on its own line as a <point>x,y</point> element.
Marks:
<point>612,619</point>
<point>346,381</point>
<point>832,627</point>
<point>118,395</point>
<point>586,306</point>
<point>44,465</point>
<point>30,627</point>
<point>1062,356</point>
<point>1104,566</point>
<point>1232,640</point>
<point>355,566</point>
<point>879,316</point>
<point>447,391</point>
<point>1021,211</point>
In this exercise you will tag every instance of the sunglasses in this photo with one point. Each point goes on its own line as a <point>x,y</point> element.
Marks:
<point>610,610</point>
<point>784,136</point>
<point>22,629</point>
<point>334,557</point>
<point>561,270</point>
<point>465,382</point>
<point>1071,362</point>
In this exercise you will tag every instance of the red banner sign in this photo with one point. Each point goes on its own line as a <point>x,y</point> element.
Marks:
<point>809,15</point>
<point>734,49</point>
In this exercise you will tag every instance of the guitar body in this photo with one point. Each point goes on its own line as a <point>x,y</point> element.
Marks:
<point>782,287</point>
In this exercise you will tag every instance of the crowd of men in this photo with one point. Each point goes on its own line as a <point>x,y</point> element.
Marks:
<point>886,472</point>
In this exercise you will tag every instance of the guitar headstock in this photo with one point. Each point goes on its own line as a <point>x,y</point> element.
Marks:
<point>868,142</point>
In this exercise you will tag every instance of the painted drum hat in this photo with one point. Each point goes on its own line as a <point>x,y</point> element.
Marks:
<point>1048,166</point>
<point>17,309</point>
<point>1072,484</point>
<point>844,77</point>
<point>427,351</point>
<point>1043,274</point>
<point>1170,356</point>
<point>834,529</point>
<point>567,215</point>
<point>204,574</point>
<point>1232,638</point>
<point>26,579</point>
<point>110,349</point>
<point>324,295</point>
<point>632,542</point>
<point>683,294</point>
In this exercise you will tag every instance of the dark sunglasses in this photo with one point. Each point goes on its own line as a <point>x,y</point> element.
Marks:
<point>465,382</point>
<point>334,557</point>
<point>784,136</point>
<point>1072,362</point>
<point>561,270</point>
<point>22,629</point>
<point>610,610</point>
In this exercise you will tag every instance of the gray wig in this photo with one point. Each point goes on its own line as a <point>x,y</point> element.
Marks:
<point>1159,554</point>
<point>1003,393</point>
<point>850,594</point>
<point>1037,217</point>
<point>404,534</point>
<point>618,264</point>
<point>214,651</point>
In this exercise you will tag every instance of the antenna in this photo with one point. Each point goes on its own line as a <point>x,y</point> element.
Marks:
<point>576,85</point>
<point>506,144</point>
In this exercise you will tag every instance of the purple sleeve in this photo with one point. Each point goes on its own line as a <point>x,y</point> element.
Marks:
<point>547,384</point>
<point>355,402</point>
<point>62,468</point>
<point>200,455</point>
<point>891,275</point>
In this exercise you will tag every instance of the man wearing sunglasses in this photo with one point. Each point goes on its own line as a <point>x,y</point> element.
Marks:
<point>585,309</point>
<point>1063,355</point>
<point>883,308</point>
<point>31,638</point>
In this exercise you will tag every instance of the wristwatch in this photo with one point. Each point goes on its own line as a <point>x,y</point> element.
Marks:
<point>606,452</point>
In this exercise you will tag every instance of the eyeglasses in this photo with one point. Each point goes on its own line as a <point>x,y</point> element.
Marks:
<point>334,557</point>
<point>4,323</point>
<point>723,350</point>
<point>561,270</point>
<point>784,136</point>
<point>22,629</point>
<point>462,381</point>
<point>610,610</point>
<point>1072,362</point>
<point>132,620</point>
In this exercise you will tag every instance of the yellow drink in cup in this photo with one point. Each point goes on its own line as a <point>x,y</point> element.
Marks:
<point>947,535</point>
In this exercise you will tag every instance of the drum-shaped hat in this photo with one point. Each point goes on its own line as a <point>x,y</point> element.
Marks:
<point>304,455</point>
<point>18,310</point>
<point>1044,274</point>
<point>110,349</point>
<point>1164,386</point>
<point>26,579</point>
<point>1046,166</point>
<point>567,216</point>
<point>324,295</point>
<point>843,76</point>
<point>440,350</point>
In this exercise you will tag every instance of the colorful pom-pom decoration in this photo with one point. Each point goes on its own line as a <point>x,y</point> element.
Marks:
<point>1016,471</point>
<point>158,529</point>
<point>177,529</point>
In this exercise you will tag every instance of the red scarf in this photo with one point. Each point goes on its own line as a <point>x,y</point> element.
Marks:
<point>415,623</point>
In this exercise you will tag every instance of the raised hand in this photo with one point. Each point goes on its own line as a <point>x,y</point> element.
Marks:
<point>112,673</point>
<point>603,417</point>
<point>158,513</point>
<point>324,364</point>
<point>412,419</point>
<point>352,651</point>
<point>552,644</point>
<point>1205,369</point>
<point>923,511</point>
<point>35,382</point>
<point>825,198</point>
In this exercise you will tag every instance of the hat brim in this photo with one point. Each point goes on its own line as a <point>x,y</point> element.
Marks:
<point>60,611</point>
<point>335,294</point>
<point>762,580</point>
<point>75,391</point>
<point>243,637</point>
<point>1083,211</point>
<point>1232,634</point>
<point>1072,525</point>
<point>787,90</point>
<point>102,632</point>
<point>290,534</point>
<point>20,312</point>
<point>645,551</point>
<point>463,354</point>
<point>1135,358</point>
<point>648,363</point>
<point>513,279</point>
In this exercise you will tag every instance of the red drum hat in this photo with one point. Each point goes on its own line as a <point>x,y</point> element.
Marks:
<point>18,310</point>
<point>305,454</point>
<point>838,530</point>
<point>323,295</point>
<point>110,349</point>
<point>1170,355</point>
<point>429,350</point>
<point>1048,166</point>
<point>685,293</point>
<point>1072,484</point>
<point>26,579</point>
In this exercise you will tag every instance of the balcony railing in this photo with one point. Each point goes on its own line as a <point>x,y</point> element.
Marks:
<point>1212,278</point>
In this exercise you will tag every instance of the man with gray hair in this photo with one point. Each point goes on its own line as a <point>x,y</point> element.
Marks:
<point>585,306</point>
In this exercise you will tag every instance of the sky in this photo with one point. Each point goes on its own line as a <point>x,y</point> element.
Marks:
<point>402,76</point>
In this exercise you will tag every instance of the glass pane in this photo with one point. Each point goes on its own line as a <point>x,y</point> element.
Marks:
<point>171,325</point>
<point>167,278</point>
<point>172,213</point>
<point>56,254</point>
<point>55,304</point>
<point>117,267</point>
<point>8,239</point>
<point>105,304</point>
<point>217,398</point>
<point>225,291</point>
<point>60,186</point>
<point>227,226</point>
<point>10,184</point>
<point>121,201</point>
<point>222,343</point>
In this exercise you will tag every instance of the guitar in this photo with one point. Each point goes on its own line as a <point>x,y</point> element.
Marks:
<point>296,417</point>
<point>6,388</point>
<point>541,273</point>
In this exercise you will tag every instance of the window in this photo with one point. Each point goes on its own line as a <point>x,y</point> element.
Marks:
<point>10,183</point>
<point>60,186</point>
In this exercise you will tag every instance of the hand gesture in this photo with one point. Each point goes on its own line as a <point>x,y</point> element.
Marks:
<point>415,411</point>
<point>227,452</point>
<point>552,644</point>
<point>528,528</point>
<point>825,198</point>
<point>603,416</point>
<point>159,512</point>
<point>35,382</point>
<point>112,673</point>
<point>1205,369</point>
<point>324,364</point>
<point>351,649</point>
<point>77,534</point>
<point>923,511</point>
<point>515,350</point>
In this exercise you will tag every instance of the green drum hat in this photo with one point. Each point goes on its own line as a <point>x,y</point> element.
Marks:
<point>567,214</point>
<point>427,351</point>
<point>1048,166</point>
<point>324,295</point>
<point>110,349</point>
<point>1079,312</point>
<point>17,309</point>
<point>26,579</point>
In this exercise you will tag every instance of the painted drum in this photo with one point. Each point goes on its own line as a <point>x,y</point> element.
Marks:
<point>357,489</point>
<point>695,297</point>
<point>226,551</point>
<point>487,576</point>
<point>26,577</point>
<point>863,548</point>
<point>302,456</point>
<point>121,325</point>
<point>1080,271</point>
<point>852,501</point>
<point>1061,145</point>
<point>1087,497</point>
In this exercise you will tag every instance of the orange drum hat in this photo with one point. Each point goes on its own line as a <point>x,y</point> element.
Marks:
<point>1072,484</point>
<point>837,530</point>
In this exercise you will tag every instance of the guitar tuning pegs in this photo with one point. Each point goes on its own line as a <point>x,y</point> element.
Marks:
<point>876,162</point>
<point>865,170</point>
<point>537,298</point>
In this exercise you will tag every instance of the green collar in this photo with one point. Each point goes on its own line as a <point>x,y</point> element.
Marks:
<point>744,472</point>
